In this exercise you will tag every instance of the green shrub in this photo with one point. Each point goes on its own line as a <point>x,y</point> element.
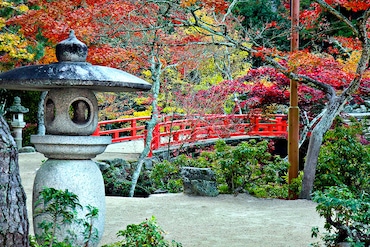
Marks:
<point>247,167</point>
<point>347,216</point>
<point>342,187</point>
<point>343,160</point>
<point>117,175</point>
<point>147,233</point>
<point>250,167</point>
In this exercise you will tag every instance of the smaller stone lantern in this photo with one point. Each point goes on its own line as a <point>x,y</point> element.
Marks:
<point>17,123</point>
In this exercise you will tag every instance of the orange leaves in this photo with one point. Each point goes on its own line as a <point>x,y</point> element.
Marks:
<point>187,3</point>
<point>49,56</point>
<point>324,68</point>
<point>304,59</point>
<point>349,43</point>
<point>56,18</point>
<point>353,5</point>
<point>217,5</point>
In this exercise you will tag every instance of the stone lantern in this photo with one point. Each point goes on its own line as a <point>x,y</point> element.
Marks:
<point>71,116</point>
<point>17,111</point>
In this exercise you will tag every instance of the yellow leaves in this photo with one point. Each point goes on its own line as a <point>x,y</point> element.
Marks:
<point>147,74</point>
<point>266,82</point>
<point>20,8</point>
<point>15,46</point>
<point>49,56</point>
<point>305,59</point>
<point>350,64</point>
<point>4,4</point>
<point>12,45</point>
<point>2,22</point>
<point>145,113</point>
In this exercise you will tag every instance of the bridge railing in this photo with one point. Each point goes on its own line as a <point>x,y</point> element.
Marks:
<point>176,130</point>
<point>125,129</point>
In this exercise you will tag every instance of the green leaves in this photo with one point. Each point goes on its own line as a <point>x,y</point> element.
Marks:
<point>343,160</point>
<point>61,206</point>
<point>342,186</point>
<point>347,215</point>
<point>247,167</point>
<point>148,233</point>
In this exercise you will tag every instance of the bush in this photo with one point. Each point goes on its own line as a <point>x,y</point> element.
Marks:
<point>347,216</point>
<point>342,187</point>
<point>61,208</point>
<point>250,167</point>
<point>166,176</point>
<point>247,167</point>
<point>117,175</point>
<point>147,233</point>
<point>343,160</point>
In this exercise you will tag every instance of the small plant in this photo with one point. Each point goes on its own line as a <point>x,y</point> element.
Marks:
<point>147,233</point>
<point>165,176</point>
<point>347,216</point>
<point>250,167</point>
<point>61,208</point>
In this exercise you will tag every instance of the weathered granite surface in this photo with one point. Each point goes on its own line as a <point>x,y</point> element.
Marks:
<point>199,181</point>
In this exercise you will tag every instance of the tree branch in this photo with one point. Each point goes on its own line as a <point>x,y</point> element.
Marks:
<point>228,12</point>
<point>337,14</point>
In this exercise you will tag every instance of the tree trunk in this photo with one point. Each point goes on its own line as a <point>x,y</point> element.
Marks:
<point>13,211</point>
<point>156,73</point>
<point>316,139</point>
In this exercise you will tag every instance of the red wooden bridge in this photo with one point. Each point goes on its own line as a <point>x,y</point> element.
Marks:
<point>178,130</point>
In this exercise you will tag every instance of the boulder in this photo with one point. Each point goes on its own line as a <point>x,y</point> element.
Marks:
<point>199,181</point>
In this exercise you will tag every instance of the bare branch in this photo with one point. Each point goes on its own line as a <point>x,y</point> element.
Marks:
<point>228,12</point>
<point>337,14</point>
<point>308,125</point>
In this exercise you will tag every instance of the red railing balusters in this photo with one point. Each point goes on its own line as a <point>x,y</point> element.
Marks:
<point>175,130</point>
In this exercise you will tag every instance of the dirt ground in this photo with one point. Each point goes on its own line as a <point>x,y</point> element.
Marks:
<point>222,221</point>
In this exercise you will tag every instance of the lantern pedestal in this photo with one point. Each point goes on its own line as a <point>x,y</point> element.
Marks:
<point>70,167</point>
<point>83,178</point>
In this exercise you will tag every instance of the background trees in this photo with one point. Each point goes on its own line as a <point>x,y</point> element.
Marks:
<point>321,71</point>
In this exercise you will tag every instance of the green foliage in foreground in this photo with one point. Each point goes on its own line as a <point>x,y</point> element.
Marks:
<point>347,216</point>
<point>248,167</point>
<point>147,233</point>
<point>342,188</point>
<point>61,208</point>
